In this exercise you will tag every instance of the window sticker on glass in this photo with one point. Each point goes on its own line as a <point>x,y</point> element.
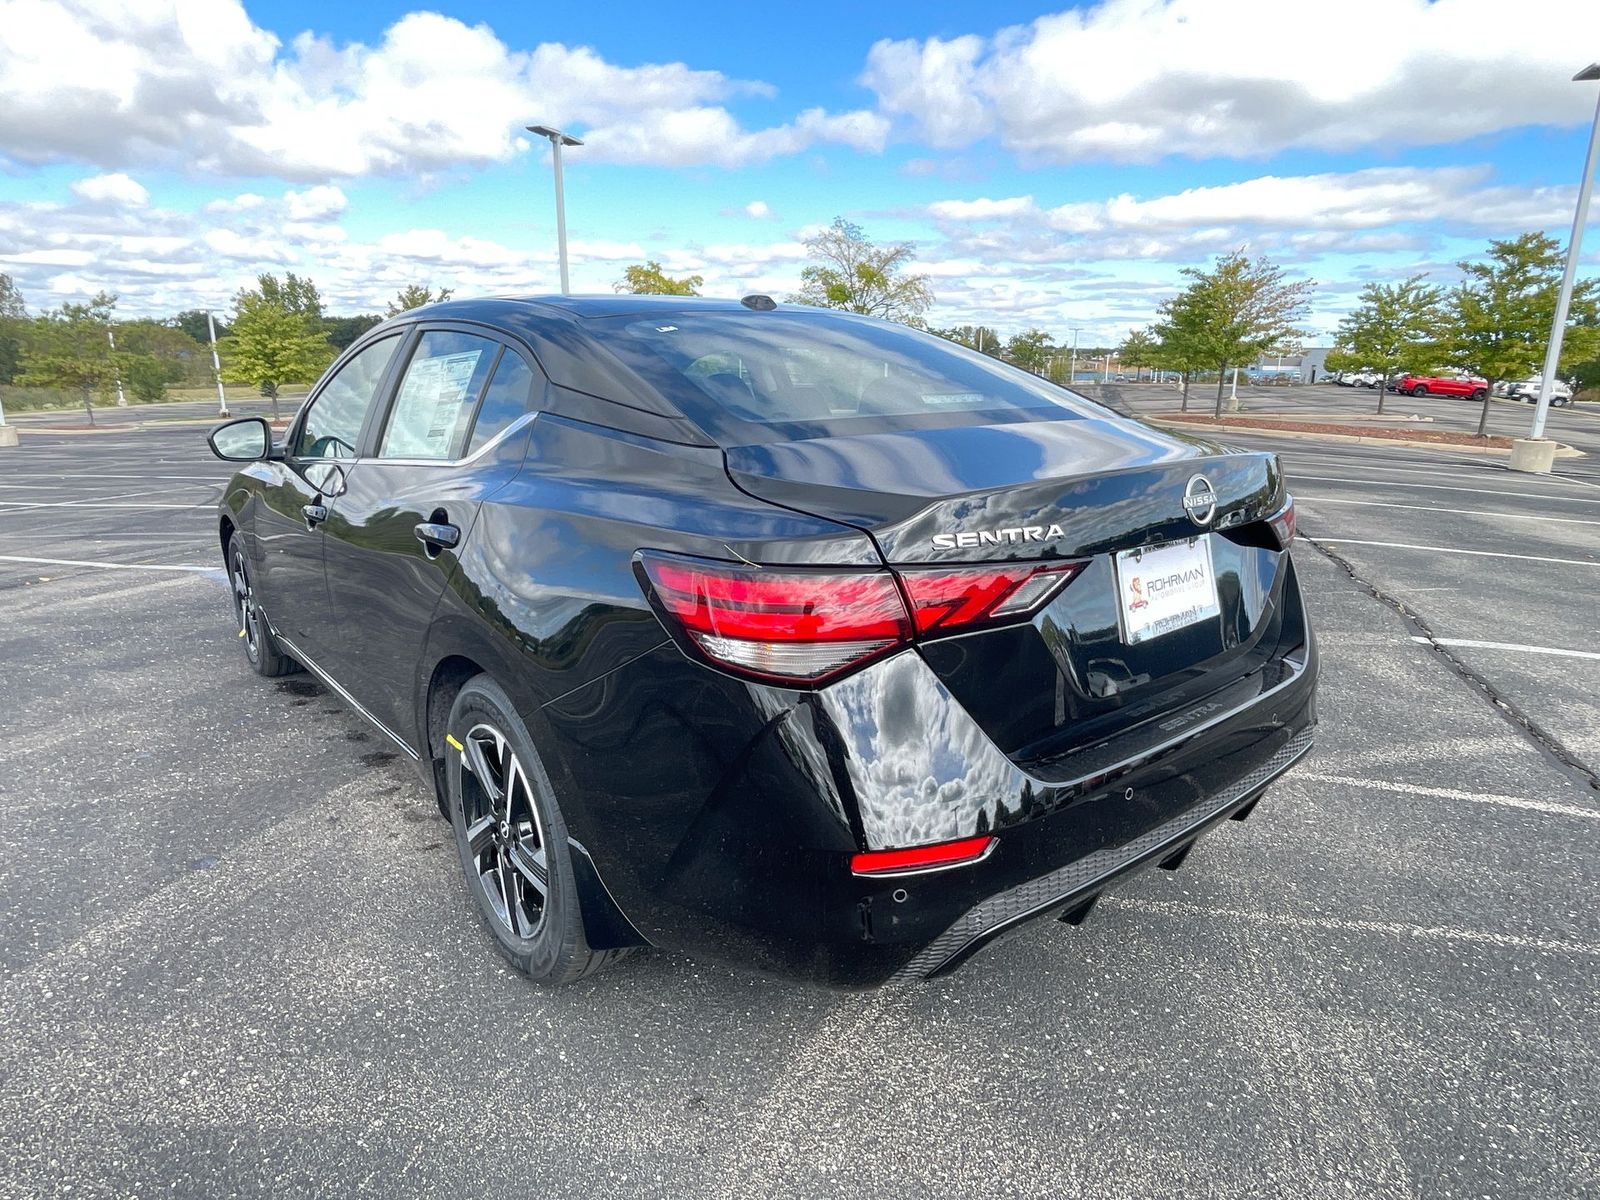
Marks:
<point>428,410</point>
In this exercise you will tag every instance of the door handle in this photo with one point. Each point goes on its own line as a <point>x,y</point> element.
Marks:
<point>437,536</point>
<point>314,514</point>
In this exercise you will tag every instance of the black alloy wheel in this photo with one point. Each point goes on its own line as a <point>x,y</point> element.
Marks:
<point>1420,390</point>
<point>504,839</point>
<point>512,839</point>
<point>260,647</point>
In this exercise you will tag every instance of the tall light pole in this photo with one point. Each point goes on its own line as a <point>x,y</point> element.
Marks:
<point>216,367</point>
<point>116,373</point>
<point>558,140</point>
<point>1538,460</point>
<point>1072,371</point>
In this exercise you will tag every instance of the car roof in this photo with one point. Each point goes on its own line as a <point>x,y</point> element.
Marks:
<point>489,308</point>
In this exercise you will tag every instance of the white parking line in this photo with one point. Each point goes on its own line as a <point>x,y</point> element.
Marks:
<point>1457,512</point>
<point>23,506</point>
<point>1469,644</point>
<point>1417,789</point>
<point>1442,933</point>
<point>110,566</point>
<point>1342,541</point>
<point>1445,487</point>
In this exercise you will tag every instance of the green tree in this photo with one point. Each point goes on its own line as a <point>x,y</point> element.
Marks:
<point>974,337</point>
<point>650,280</point>
<point>1179,344</point>
<point>342,332</point>
<point>146,378</point>
<point>179,357</point>
<point>193,322</point>
<point>1138,350</point>
<point>1505,307</point>
<point>13,325</point>
<point>415,295</point>
<point>1395,328</point>
<point>851,273</point>
<point>67,348</point>
<point>1238,310</point>
<point>294,295</point>
<point>1030,350</point>
<point>272,344</point>
<point>1341,359</point>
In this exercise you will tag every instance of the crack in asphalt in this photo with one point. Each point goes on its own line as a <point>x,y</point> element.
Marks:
<point>1514,715</point>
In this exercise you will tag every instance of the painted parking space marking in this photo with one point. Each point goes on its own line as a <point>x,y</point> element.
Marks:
<point>1438,793</point>
<point>1400,929</point>
<point>110,566</point>
<point>1453,512</point>
<point>1471,644</point>
<point>23,506</point>
<point>1445,487</point>
<point>1324,539</point>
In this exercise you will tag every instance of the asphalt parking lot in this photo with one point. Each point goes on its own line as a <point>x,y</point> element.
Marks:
<point>237,956</point>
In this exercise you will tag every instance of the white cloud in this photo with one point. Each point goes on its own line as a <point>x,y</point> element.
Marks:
<point>196,84</point>
<point>115,189</point>
<point>1327,205</point>
<point>757,209</point>
<point>1135,80</point>
<point>982,209</point>
<point>318,203</point>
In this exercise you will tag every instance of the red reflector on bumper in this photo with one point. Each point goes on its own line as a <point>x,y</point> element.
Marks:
<point>921,858</point>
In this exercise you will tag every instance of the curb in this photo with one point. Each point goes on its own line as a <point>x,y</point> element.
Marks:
<point>1562,450</point>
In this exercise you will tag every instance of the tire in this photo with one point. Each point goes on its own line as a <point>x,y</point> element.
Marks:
<point>261,649</point>
<point>1479,393</point>
<point>1420,390</point>
<point>512,837</point>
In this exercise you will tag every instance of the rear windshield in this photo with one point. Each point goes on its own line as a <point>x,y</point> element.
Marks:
<point>768,376</point>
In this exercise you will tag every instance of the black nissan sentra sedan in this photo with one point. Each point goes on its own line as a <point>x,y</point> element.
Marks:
<point>782,636</point>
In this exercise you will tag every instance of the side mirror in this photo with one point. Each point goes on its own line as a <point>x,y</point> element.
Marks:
<point>246,440</point>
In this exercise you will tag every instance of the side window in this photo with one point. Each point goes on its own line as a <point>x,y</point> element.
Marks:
<point>509,396</point>
<point>332,424</point>
<point>434,406</point>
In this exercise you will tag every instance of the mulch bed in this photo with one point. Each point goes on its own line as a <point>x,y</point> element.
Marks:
<point>1444,437</point>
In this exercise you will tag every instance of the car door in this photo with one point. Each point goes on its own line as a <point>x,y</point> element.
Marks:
<point>290,582</point>
<point>452,435</point>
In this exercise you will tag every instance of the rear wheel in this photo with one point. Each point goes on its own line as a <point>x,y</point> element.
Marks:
<point>260,647</point>
<point>512,840</point>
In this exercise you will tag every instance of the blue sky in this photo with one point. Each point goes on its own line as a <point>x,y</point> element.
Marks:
<point>1054,166</point>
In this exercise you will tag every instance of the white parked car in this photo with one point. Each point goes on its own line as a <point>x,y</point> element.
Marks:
<point>1528,390</point>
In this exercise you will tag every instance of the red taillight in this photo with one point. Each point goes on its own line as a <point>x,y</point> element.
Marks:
<point>957,599</point>
<point>921,858</point>
<point>1282,523</point>
<point>800,626</point>
<point>780,624</point>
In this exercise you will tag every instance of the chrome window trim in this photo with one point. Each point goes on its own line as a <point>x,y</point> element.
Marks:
<point>519,423</point>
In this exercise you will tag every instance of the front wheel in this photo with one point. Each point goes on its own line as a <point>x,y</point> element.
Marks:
<point>512,839</point>
<point>260,647</point>
<point>1479,393</point>
<point>1419,390</point>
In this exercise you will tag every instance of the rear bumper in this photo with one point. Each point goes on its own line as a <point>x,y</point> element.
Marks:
<point>1078,883</point>
<point>722,816</point>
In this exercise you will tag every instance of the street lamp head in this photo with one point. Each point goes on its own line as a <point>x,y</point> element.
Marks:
<point>1591,72</point>
<point>566,139</point>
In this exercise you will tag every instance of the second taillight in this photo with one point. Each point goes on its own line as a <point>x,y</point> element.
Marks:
<point>810,626</point>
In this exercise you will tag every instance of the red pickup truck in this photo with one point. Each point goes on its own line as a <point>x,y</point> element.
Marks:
<point>1441,385</point>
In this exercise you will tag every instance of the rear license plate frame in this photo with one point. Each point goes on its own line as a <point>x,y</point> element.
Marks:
<point>1180,603</point>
